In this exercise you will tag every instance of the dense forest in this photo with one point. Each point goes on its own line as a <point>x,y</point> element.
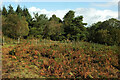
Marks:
<point>20,24</point>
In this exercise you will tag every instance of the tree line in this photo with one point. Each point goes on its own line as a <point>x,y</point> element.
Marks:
<point>19,23</point>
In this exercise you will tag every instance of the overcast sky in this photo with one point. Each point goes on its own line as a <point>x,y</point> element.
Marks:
<point>91,11</point>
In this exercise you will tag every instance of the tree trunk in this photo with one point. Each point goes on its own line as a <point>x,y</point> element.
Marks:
<point>19,39</point>
<point>36,41</point>
<point>3,41</point>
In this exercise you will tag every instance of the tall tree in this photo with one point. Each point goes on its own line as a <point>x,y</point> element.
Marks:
<point>11,10</point>
<point>38,24</point>
<point>68,18</point>
<point>74,27</point>
<point>4,11</point>
<point>67,22</point>
<point>19,10</point>
<point>15,26</point>
<point>92,31</point>
<point>54,29</point>
<point>78,29</point>
<point>27,15</point>
<point>106,32</point>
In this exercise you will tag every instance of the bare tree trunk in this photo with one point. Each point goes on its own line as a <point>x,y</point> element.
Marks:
<point>19,39</point>
<point>3,41</point>
<point>36,41</point>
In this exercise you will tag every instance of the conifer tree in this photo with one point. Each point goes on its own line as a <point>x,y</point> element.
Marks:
<point>11,10</point>
<point>4,11</point>
<point>19,10</point>
<point>27,15</point>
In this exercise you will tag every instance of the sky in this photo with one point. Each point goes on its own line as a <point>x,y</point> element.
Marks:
<point>91,11</point>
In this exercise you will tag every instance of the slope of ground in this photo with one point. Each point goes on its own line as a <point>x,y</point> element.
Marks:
<point>50,59</point>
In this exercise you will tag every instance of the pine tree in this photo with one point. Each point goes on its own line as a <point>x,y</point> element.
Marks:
<point>55,19</point>
<point>11,10</point>
<point>27,14</point>
<point>67,23</point>
<point>4,11</point>
<point>38,25</point>
<point>74,27</point>
<point>19,10</point>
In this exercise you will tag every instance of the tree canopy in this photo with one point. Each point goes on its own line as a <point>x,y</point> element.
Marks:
<point>4,11</point>
<point>11,10</point>
<point>15,26</point>
<point>107,32</point>
<point>20,23</point>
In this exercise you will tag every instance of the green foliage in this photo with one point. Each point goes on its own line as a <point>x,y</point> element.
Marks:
<point>20,23</point>
<point>79,29</point>
<point>58,20</point>
<point>23,29</point>
<point>27,15</point>
<point>69,17</point>
<point>67,21</point>
<point>11,10</point>
<point>19,10</point>
<point>38,25</point>
<point>102,36</point>
<point>74,27</point>
<point>53,29</point>
<point>15,26</point>
<point>106,32</point>
<point>92,31</point>
<point>4,11</point>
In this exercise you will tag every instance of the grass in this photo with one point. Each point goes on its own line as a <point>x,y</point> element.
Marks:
<point>54,59</point>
